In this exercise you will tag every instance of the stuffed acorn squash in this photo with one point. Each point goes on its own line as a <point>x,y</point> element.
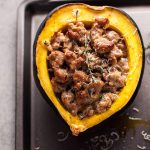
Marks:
<point>88,61</point>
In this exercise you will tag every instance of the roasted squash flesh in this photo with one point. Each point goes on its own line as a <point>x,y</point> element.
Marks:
<point>118,21</point>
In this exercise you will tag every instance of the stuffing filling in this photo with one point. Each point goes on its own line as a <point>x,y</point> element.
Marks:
<point>88,66</point>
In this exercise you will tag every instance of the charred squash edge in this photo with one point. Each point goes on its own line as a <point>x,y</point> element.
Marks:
<point>77,128</point>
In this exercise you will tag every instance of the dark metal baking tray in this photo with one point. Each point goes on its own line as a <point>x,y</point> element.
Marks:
<point>38,126</point>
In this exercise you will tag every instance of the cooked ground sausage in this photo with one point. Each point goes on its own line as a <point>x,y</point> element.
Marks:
<point>123,63</point>
<point>93,60</point>
<point>67,98</point>
<point>95,88</point>
<point>113,36</point>
<point>100,44</point>
<point>77,32</point>
<point>61,75</point>
<point>57,87</point>
<point>77,63</point>
<point>56,59</point>
<point>80,76</point>
<point>105,102</point>
<point>70,56</point>
<point>116,79</point>
<point>89,64</point>
<point>57,40</point>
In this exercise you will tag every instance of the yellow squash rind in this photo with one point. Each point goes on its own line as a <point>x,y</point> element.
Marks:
<point>120,22</point>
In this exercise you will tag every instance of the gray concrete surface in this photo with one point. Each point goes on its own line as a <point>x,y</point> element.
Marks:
<point>8,18</point>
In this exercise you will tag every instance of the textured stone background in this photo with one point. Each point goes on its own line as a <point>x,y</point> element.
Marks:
<point>8,22</point>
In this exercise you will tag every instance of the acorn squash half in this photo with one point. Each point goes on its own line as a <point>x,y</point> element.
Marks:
<point>119,21</point>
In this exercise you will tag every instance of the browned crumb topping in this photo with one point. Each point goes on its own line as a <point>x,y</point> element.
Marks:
<point>88,66</point>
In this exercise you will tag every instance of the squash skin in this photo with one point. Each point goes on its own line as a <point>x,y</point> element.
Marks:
<point>136,61</point>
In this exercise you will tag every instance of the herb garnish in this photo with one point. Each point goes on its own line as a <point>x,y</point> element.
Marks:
<point>77,13</point>
<point>46,43</point>
<point>88,60</point>
<point>101,96</point>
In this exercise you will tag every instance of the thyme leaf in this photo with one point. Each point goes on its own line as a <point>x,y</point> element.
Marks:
<point>86,41</point>
<point>101,96</point>
<point>46,43</point>
<point>101,69</point>
<point>77,14</point>
<point>88,60</point>
<point>74,42</point>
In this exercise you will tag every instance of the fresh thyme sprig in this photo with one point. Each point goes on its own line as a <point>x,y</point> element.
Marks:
<point>86,43</point>
<point>88,60</point>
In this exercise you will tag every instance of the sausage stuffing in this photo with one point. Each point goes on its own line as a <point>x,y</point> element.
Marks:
<point>88,66</point>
